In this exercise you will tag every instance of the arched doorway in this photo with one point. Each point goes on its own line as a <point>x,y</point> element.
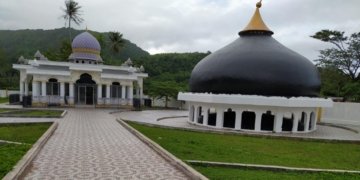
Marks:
<point>85,90</point>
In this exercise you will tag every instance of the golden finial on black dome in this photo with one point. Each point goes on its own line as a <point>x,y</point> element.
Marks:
<point>258,5</point>
<point>256,23</point>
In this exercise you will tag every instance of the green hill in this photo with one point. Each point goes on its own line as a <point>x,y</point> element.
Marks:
<point>15,43</point>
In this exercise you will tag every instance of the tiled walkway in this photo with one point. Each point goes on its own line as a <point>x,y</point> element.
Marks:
<point>322,132</point>
<point>90,144</point>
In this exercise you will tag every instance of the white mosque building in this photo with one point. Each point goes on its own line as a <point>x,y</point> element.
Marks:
<point>255,84</point>
<point>82,81</point>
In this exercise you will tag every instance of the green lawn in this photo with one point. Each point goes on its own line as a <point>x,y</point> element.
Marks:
<point>251,174</point>
<point>24,133</point>
<point>10,154</point>
<point>255,150</point>
<point>4,100</point>
<point>30,112</point>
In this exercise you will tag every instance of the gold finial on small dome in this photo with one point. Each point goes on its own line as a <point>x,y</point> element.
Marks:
<point>258,5</point>
<point>256,23</point>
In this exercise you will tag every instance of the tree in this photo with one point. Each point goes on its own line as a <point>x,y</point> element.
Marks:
<point>164,89</point>
<point>116,41</point>
<point>345,56</point>
<point>72,13</point>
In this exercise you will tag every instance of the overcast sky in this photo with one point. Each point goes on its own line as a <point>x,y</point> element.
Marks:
<point>191,25</point>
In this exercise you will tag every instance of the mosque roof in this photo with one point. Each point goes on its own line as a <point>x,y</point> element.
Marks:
<point>256,64</point>
<point>85,47</point>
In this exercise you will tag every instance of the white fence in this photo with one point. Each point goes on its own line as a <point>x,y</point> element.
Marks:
<point>6,93</point>
<point>342,113</point>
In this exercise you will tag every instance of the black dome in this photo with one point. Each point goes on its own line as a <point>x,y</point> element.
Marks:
<point>256,64</point>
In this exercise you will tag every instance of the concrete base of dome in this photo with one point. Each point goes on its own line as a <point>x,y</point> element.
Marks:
<point>254,113</point>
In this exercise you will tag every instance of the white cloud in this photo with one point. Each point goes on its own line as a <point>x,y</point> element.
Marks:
<point>191,25</point>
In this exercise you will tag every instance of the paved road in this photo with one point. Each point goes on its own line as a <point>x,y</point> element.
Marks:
<point>90,144</point>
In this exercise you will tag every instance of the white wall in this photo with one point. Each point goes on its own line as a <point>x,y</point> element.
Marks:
<point>6,93</point>
<point>342,113</point>
<point>172,103</point>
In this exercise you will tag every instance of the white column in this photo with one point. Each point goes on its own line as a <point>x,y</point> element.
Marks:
<point>62,93</point>
<point>108,94</point>
<point>99,91</point>
<point>71,93</point>
<point>43,92</point>
<point>191,113</point>
<point>315,120</point>
<point>238,119</point>
<point>307,121</point>
<point>26,88</point>
<point>34,91</point>
<point>297,116</point>
<point>21,91</point>
<point>278,121</point>
<point>33,88</point>
<point>131,95</point>
<point>196,114</point>
<point>206,116</point>
<point>258,114</point>
<point>219,117</point>
<point>43,88</point>
<point>123,92</point>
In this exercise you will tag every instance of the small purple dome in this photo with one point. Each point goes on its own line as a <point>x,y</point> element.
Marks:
<point>85,46</point>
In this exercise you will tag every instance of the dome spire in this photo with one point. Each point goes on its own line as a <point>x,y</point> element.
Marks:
<point>256,23</point>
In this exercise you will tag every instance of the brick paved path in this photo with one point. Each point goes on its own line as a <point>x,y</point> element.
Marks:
<point>90,144</point>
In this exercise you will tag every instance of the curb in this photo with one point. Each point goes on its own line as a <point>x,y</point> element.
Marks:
<point>170,117</point>
<point>268,167</point>
<point>4,114</point>
<point>189,171</point>
<point>20,168</point>
<point>63,114</point>
<point>339,126</point>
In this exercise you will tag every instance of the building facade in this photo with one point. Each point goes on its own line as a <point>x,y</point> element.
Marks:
<point>82,81</point>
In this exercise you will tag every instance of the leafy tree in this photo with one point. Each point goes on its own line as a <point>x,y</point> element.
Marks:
<point>164,89</point>
<point>333,81</point>
<point>116,41</point>
<point>345,56</point>
<point>72,13</point>
<point>62,54</point>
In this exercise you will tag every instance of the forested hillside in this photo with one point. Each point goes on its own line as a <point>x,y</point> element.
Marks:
<point>13,44</point>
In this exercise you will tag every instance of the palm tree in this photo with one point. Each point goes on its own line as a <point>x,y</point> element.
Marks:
<point>72,13</point>
<point>116,41</point>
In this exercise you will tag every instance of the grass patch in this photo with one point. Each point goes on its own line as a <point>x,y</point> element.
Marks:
<point>30,112</point>
<point>4,100</point>
<point>251,174</point>
<point>24,133</point>
<point>10,154</point>
<point>188,145</point>
<point>39,113</point>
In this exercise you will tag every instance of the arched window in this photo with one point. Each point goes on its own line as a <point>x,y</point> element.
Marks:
<point>288,122</point>
<point>229,118</point>
<point>52,87</point>
<point>301,125</point>
<point>248,120</point>
<point>212,117</point>
<point>115,90</point>
<point>267,121</point>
